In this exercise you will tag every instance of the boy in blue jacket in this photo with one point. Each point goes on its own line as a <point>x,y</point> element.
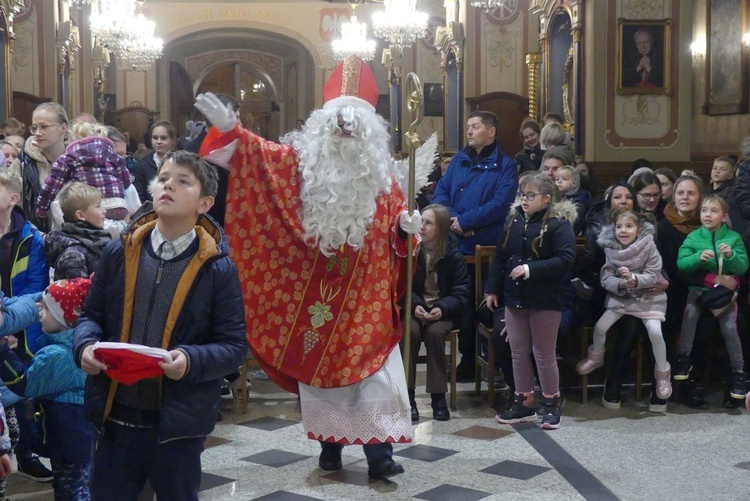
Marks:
<point>23,270</point>
<point>166,282</point>
<point>57,383</point>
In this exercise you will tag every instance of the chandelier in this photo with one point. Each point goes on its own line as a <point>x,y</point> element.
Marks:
<point>487,5</point>
<point>128,35</point>
<point>353,41</point>
<point>400,24</point>
<point>113,24</point>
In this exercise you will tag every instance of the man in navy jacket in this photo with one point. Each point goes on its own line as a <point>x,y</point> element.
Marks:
<point>478,188</point>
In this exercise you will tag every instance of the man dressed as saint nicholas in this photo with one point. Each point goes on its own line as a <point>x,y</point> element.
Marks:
<point>318,227</point>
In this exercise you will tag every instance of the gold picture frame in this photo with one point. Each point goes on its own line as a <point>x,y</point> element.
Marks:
<point>643,56</point>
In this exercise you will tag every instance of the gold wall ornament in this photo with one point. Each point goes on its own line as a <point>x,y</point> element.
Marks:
<point>533,61</point>
<point>449,39</point>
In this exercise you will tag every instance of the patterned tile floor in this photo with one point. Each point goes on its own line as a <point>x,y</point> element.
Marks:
<point>597,454</point>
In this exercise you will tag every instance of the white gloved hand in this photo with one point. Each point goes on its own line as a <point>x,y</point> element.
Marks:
<point>220,115</point>
<point>410,224</point>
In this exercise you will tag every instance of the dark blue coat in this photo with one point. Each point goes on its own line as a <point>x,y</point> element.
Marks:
<point>479,194</point>
<point>550,260</point>
<point>210,328</point>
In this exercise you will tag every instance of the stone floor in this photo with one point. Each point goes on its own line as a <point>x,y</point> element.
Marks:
<point>597,454</point>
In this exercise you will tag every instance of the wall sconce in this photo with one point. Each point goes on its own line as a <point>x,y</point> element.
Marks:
<point>698,50</point>
<point>746,40</point>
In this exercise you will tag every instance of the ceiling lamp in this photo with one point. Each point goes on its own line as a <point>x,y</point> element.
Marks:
<point>113,24</point>
<point>487,5</point>
<point>141,55</point>
<point>353,41</point>
<point>128,35</point>
<point>400,24</point>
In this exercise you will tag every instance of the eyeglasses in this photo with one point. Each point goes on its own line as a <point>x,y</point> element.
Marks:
<point>41,127</point>
<point>527,196</point>
<point>649,196</point>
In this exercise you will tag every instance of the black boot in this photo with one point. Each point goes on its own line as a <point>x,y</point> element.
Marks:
<point>611,398</point>
<point>738,385</point>
<point>692,397</point>
<point>440,410</point>
<point>413,404</point>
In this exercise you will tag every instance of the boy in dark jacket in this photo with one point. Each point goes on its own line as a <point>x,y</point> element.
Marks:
<point>167,282</point>
<point>57,384</point>
<point>75,250</point>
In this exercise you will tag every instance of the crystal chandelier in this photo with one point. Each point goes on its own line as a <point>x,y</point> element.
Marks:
<point>353,41</point>
<point>400,24</point>
<point>128,35</point>
<point>487,5</point>
<point>143,48</point>
<point>113,24</point>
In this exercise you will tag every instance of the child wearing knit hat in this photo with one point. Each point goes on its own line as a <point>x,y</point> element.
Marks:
<point>55,381</point>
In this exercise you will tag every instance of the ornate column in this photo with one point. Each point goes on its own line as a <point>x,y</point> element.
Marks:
<point>449,40</point>
<point>533,61</point>
<point>392,59</point>
<point>101,62</point>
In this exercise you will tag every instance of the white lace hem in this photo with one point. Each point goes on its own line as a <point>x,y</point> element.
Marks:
<point>374,410</point>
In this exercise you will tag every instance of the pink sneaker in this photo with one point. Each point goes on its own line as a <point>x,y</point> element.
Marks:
<point>663,383</point>
<point>591,362</point>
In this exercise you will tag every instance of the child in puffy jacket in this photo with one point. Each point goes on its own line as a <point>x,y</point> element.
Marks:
<point>56,383</point>
<point>720,251</point>
<point>633,265</point>
<point>90,159</point>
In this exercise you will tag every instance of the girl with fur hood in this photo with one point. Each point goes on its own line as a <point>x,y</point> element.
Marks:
<point>633,265</point>
<point>530,268</point>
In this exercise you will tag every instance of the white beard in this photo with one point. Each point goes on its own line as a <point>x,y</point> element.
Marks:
<point>342,176</point>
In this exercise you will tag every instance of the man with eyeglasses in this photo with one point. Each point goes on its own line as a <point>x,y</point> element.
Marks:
<point>478,188</point>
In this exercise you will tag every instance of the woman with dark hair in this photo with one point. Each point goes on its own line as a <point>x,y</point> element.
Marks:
<point>441,290</point>
<point>619,195</point>
<point>530,158</point>
<point>163,141</point>
<point>648,187</point>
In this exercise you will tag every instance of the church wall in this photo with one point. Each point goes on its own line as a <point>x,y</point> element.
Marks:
<point>496,46</point>
<point>622,128</point>
<point>718,135</point>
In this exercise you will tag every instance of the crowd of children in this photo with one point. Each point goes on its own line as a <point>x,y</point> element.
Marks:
<point>658,253</point>
<point>657,250</point>
<point>173,245</point>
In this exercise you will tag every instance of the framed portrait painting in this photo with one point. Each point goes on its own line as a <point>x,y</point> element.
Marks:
<point>643,56</point>
<point>726,61</point>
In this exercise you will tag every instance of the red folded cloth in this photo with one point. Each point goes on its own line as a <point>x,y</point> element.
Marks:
<point>128,364</point>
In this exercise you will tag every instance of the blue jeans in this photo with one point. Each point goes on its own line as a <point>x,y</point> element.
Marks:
<point>373,452</point>
<point>125,457</point>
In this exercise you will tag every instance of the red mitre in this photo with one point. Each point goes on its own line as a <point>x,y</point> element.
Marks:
<point>351,84</point>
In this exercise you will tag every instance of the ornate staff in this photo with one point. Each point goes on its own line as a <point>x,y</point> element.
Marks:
<point>416,106</point>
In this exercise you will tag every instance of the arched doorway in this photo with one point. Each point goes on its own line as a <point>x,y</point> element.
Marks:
<point>271,75</point>
<point>254,90</point>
